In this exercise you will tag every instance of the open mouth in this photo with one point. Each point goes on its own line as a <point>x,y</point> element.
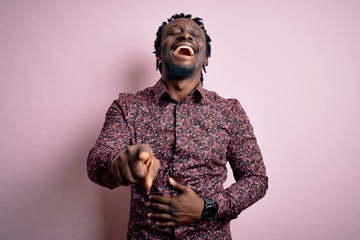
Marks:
<point>184,51</point>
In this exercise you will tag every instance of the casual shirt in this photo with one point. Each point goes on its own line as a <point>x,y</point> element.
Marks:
<point>193,141</point>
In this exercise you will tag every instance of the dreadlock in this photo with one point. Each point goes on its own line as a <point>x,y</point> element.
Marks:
<point>157,42</point>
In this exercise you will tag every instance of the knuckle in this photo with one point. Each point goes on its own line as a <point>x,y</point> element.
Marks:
<point>123,155</point>
<point>172,203</point>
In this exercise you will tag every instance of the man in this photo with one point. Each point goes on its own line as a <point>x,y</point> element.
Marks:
<point>171,144</point>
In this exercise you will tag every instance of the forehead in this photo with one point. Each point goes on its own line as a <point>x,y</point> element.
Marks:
<point>183,22</point>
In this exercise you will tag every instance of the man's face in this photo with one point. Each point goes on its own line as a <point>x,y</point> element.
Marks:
<point>183,48</point>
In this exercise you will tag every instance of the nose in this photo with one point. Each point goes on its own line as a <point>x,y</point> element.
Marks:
<point>185,36</point>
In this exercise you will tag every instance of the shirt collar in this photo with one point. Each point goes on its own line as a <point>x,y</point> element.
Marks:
<point>161,93</point>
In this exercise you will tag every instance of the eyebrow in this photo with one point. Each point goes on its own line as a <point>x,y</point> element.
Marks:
<point>194,27</point>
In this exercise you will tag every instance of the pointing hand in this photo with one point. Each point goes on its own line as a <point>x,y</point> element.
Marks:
<point>134,163</point>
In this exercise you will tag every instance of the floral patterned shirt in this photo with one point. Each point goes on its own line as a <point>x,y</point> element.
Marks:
<point>193,140</point>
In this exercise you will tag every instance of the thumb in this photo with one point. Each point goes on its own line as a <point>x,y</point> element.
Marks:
<point>177,185</point>
<point>153,169</point>
<point>144,154</point>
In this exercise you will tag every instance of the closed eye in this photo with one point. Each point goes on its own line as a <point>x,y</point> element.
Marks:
<point>195,33</point>
<point>174,33</point>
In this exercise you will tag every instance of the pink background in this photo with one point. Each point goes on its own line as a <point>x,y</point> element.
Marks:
<point>294,65</point>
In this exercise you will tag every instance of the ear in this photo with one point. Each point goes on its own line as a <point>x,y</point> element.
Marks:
<point>206,61</point>
<point>158,63</point>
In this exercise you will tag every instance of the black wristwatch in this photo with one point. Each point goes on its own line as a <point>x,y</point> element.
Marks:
<point>210,209</point>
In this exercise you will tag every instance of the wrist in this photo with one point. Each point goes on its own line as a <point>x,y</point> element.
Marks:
<point>210,210</point>
<point>199,215</point>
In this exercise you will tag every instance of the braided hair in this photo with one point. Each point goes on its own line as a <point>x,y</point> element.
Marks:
<point>157,42</point>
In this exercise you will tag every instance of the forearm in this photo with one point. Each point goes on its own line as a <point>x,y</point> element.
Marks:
<point>99,166</point>
<point>240,195</point>
<point>114,137</point>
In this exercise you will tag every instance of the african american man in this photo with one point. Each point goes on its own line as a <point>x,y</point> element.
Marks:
<point>171,142</point>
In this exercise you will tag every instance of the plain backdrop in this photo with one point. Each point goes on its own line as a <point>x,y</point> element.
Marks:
<point>294,66</point>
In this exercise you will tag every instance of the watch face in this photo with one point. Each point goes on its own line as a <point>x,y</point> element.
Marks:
<point>210,212</point>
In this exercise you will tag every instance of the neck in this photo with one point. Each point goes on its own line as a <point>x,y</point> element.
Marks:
<point>180,89</point>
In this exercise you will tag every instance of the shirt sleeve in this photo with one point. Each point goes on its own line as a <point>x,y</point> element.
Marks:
<point>114,137</point>
<point>247,165</point>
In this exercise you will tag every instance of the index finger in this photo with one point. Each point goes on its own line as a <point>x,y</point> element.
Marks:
<point>160,199</point>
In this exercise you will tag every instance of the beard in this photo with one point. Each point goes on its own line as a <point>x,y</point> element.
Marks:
<point>179,72</point>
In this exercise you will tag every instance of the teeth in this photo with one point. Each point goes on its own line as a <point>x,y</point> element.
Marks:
<point>192,53</point>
